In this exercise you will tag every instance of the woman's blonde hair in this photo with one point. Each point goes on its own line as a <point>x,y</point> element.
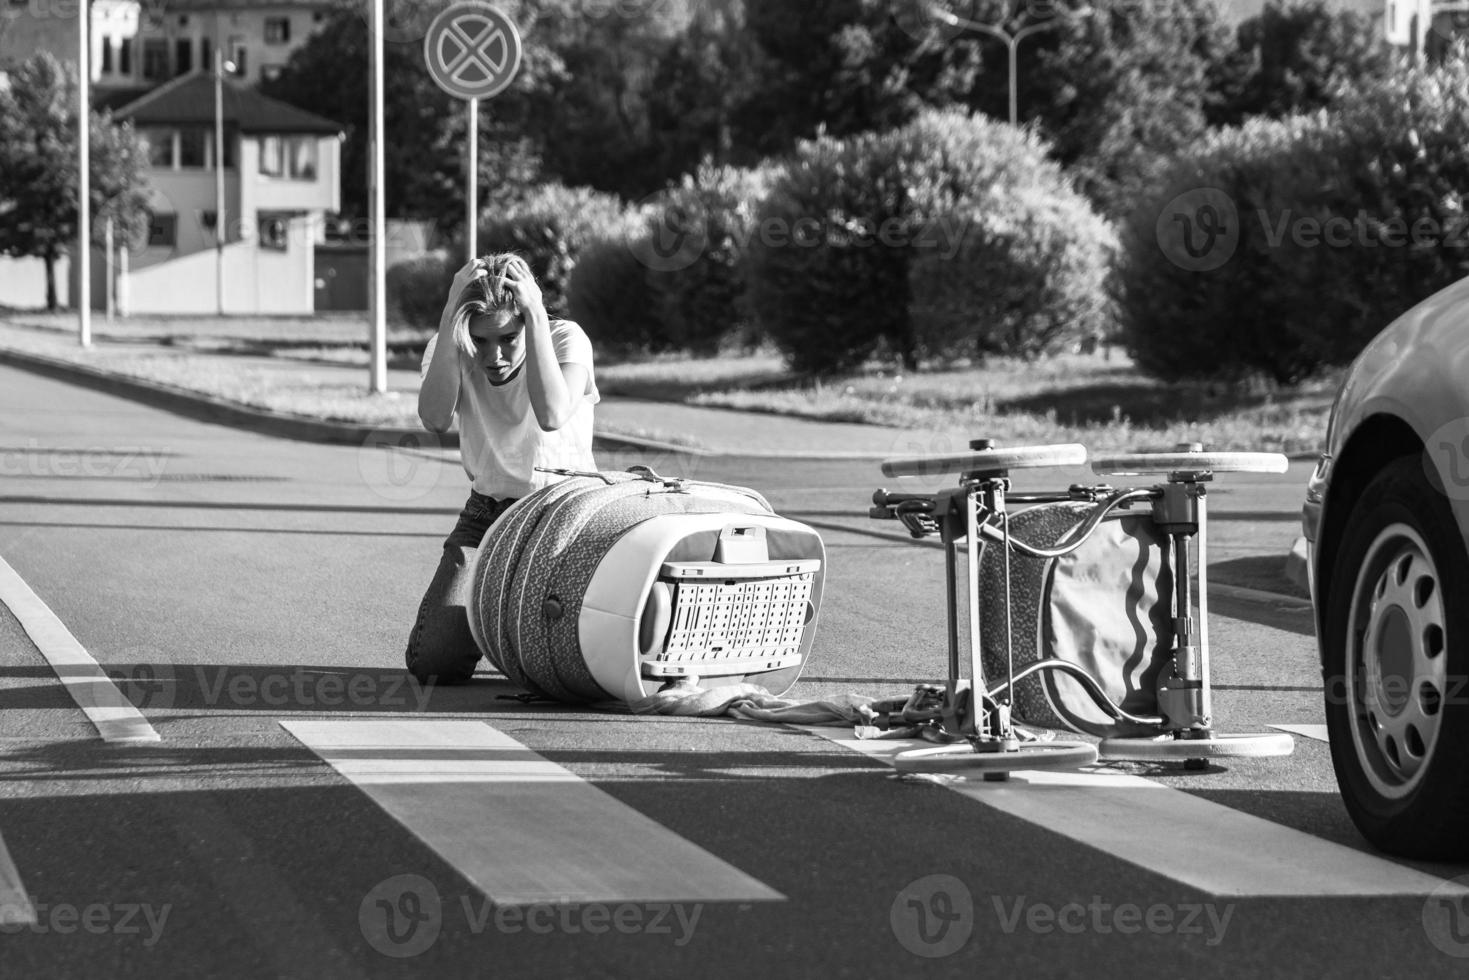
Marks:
<point>487,293</point>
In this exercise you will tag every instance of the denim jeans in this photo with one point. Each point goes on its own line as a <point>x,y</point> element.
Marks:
<point>441,648</point>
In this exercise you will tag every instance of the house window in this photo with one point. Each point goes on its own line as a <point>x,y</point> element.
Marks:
<point>155,59</point>
<point>272,156</point>
<point>237,45</point>
<point>163,230</point>
<point>183,56</point>
<point>288,156</point>
<point>125,56</point>
<point>160,148</point>
<point>277,30</point>
<point>106,55</point>
<point>303,157</point>
<point>206,54</point>
<point>274,231</point>
<point>191,148</point>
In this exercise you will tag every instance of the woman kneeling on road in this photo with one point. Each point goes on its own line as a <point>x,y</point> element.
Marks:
<point>521,385</point>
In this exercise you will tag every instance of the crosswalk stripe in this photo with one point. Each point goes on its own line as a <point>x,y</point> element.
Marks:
<point>1318,732</point>
<point>115,717</point>
<point>1214,848</point>
<point>15,904</point>
<point>523,829</point>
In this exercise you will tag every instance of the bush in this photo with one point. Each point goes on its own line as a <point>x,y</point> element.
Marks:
<point>1325,228</point>
<point>418,287</point>
<point>951,235</point>
<point>1207,288</point>
<point>551,227</point>
<point>704,303</point>
<point>1012,260</point>
<point>613,302</point>
<point>823,288</point>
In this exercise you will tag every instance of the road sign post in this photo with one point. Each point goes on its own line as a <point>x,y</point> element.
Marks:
<point>473,52</point>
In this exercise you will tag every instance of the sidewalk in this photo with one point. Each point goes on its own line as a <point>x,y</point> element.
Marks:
<point>626,422</point>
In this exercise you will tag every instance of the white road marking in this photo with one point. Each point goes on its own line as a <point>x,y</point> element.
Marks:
<point>1318,732</point>
<point>1214,848</point>
<point>116,718</point>
<point>521,828</point>
<point>15,904</point>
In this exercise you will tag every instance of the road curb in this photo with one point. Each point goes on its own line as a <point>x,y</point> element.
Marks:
<point>195,405</point>
<point>1277,600</point>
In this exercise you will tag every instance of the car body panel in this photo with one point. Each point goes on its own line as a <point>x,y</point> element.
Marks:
<point>1416,370</point>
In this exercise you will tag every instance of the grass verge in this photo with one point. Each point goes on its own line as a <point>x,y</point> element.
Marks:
<point>299,365</point>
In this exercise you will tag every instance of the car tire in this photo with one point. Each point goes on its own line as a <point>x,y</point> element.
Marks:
<point>1397,641</point>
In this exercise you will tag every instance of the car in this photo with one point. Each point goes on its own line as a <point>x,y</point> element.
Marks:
<point>1386,521</point>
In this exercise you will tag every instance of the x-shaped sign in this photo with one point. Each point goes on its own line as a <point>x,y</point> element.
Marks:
<point>480,57</point>
<point>472,50</point>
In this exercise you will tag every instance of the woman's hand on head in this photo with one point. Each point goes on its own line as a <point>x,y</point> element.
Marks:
<point>523,286</point>
<point>471,271</point>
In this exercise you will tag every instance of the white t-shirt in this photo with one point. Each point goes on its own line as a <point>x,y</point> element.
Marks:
<point>500,441</point>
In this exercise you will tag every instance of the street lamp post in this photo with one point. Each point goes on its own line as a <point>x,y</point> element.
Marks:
<point>1011,39</point>
<point>83,268</point>
<point>220,226</point>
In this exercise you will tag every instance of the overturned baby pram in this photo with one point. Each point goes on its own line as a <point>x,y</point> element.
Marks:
<point>605,587</point>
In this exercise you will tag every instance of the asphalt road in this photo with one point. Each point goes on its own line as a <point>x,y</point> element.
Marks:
<point>232,584</point>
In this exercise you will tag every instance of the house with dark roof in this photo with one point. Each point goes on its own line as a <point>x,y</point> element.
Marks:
<point>152,61</point>
<point>281,168</point>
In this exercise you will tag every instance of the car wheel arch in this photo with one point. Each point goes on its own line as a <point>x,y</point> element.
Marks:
<point>1377,441</point>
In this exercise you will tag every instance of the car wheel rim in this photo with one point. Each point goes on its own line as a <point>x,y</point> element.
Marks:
<point>1397,671</point>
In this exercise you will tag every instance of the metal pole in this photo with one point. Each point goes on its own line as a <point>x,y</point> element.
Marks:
<point>220,225</point>
<point>1014,44</point>
<point>471,167</point>
<point>377,220</point>
<point>84,192</point>
<point>110,278</point>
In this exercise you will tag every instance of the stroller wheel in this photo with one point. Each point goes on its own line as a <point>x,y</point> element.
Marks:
<point>1030,755</point>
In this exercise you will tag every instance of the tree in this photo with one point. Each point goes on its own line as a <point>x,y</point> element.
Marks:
<point>593,119</point>
<point>702,78</point>
<point>423,153</point>
<point>1122,88</point>
<point>1298,57</point>
<point>847,66</point>
<point>38,167</point>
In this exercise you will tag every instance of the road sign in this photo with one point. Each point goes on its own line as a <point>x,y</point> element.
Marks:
<point>472,50</point>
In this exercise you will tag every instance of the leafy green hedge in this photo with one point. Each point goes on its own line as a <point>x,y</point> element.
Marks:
<point>417,289</point>
<point>703,299</point>
<point>550,228</point>
<point>953,235</point>
<point>1281,246</point>
<point>613,301</point>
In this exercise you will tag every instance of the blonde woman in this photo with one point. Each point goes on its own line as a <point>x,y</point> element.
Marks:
<point>522,389</point>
